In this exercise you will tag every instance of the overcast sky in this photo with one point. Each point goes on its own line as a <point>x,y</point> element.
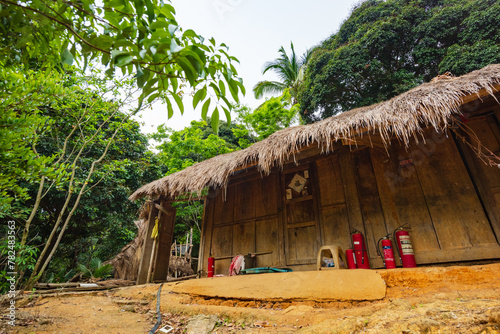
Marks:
<point>254,30</point>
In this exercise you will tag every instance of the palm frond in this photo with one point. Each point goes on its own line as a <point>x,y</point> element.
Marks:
<point>86,272</point>
<point>103,271</point>
<point>285,67</point>
<point>267,87</point>
<point>305,57</point>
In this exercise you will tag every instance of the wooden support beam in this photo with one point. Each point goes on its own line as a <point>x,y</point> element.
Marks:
<point>479,95</point>
<point>164,245</point>
<point>206,233</point>
<point>185,278</point>
<point>159,207</point>
<point>250,254</point>
<point>147,248</point>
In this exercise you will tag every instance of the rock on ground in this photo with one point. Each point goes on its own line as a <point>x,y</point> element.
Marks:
<point>201,324</point>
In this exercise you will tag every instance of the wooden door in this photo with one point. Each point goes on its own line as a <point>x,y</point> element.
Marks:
<point>302,236</point>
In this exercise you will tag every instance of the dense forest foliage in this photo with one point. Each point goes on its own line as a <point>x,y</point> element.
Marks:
<point>388,47</point>
<point>70,152</point>
<point>74,155</point>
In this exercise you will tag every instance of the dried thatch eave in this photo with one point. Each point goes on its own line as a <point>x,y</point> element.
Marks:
<point>404,116</point>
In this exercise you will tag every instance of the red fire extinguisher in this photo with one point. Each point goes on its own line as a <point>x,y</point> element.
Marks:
<point>360,250</point>
<point>211,266</point>
<point>387,253</point>
<point>405,249</point>
<point>351,259</point>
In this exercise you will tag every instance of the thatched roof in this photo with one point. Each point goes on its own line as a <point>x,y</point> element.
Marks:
<point>404,116</point>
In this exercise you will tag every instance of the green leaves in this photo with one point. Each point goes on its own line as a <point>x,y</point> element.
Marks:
<point>121,58</point>
<point>204,110</point>
<point>66,57</point>
<point>169,109</point>
<point>198,96</point>
<point>178,100</point>
<point>388,47</point>
<point>23,124</point>
<point>215,120</point>
<point>140,35</point>
<point>274,114</point>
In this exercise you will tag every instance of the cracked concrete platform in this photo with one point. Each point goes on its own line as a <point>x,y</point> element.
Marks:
<point>360,284</point>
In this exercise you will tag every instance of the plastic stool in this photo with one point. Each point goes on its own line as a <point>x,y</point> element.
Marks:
<point>334,256</point>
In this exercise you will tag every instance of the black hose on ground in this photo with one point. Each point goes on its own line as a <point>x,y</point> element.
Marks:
<point>158,320</point>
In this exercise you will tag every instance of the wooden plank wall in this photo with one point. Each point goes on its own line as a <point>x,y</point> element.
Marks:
<point>243,220</point>
<point>334,210</point>
<point>432,193</point>
<point>449,198</point>
<point>487,178</point>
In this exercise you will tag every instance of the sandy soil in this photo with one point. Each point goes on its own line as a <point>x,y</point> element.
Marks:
<point>422,300</point>
<point>82,314</point>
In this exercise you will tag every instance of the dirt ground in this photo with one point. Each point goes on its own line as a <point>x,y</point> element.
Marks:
<point>423,300</point>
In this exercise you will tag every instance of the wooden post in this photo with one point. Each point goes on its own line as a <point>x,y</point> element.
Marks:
<point>163,251</point>
<point>152,261</point>
<point>190,245</point>
<point>206,232</point>
<point>147,248</point>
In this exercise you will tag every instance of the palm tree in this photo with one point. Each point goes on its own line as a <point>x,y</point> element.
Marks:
<point>290,71</point>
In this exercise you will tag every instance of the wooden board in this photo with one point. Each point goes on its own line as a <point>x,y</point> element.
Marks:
<point>300,212</point>
<point>330,181</point>
<point>487,178</point>
<point>224,206</point>
<point>147,248</point>
<point>244,238</point>
<point>302,245</point>
<point>206,231</point>
<point>402,198</point>
<point>452,201</point>
<point>222,245</point>
<point>266,203</point>
<point>371,207</point>
<point>335,226</point>
<point>351,192</point>
<point>482,252</point>
<point>165,238</point>
<point>246,197</point>
<point>266,239</point>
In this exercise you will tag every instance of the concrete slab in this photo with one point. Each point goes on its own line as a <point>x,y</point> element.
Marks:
<point>359,284</point>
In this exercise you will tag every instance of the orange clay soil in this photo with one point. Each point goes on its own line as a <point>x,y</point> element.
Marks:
<point>422,300</point>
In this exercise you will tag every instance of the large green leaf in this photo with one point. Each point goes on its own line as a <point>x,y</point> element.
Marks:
<point>204,109</point>
<point>66,57</point>
<point>123,59</point>
<point>178,100</point>
<point>199,96</point>
<point>215,120</point>
<point>169,108</point>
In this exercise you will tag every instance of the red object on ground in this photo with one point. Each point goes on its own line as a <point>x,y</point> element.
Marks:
<point>351,260</point>
<point>211,266</point>
<point>360,251</point>
<point>405,249</point>
<point>388,254</point>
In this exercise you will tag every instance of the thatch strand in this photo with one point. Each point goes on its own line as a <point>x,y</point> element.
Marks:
<point>404,116</point>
